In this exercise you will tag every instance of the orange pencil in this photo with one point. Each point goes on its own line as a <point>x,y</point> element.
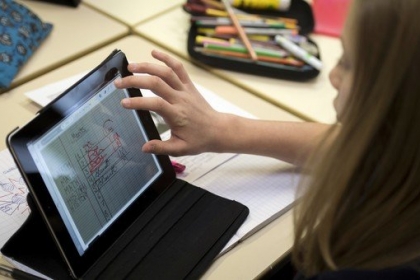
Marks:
<point>240,30</point>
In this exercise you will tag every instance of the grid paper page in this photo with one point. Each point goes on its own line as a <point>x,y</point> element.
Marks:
<point>266,186</point>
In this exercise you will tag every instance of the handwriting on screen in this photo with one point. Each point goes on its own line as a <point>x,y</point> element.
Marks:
<point>100,160</point>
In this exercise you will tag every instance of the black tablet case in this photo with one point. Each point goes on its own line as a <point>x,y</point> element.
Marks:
<point>300,10</point>
<point>177,237</point>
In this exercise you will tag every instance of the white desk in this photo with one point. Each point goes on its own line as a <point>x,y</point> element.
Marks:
<point>247,259</point>
<point>76,32</point>
<point>311,100</point>
<point>132,12</point>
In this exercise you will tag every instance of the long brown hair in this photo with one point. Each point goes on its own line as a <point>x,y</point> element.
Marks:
<point>362,206</point>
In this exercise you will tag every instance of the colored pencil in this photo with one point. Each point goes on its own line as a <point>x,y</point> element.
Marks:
<point>286,61</point>
<point>241,49</point>
<point>231,30</point>
<point>240,30</point>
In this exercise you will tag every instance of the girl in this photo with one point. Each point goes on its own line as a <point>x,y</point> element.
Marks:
<point>359,216</point>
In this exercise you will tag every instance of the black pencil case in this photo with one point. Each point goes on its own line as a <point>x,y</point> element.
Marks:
<point>299,10</point>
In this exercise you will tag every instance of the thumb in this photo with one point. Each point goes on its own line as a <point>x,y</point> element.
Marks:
<point>158,147</point>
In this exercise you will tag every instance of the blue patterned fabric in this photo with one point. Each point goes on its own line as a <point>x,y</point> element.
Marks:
<point>21,32</point>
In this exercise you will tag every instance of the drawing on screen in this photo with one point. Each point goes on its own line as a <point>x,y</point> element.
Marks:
<point>100,160</point>
<point>13,193</point>
<point>95,156</point>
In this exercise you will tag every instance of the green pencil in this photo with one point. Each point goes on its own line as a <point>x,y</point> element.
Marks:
<point>242,49</point>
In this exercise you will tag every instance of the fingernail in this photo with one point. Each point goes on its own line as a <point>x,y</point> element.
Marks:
<point>149,148</point>
<point>126,102</point>
<point>117,82</point>
<point>132,67</point>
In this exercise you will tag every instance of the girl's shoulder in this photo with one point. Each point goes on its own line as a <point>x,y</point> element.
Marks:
<point>401,273</point>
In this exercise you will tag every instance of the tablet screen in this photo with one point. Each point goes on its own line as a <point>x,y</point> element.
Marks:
<point>92,165</point>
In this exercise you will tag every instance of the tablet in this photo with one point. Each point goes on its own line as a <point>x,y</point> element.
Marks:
<point>81,159</point>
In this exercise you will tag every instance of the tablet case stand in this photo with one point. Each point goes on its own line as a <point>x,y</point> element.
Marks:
<point>177,237</point>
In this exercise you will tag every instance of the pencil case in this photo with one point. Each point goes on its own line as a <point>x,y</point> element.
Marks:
<point>299,10</point>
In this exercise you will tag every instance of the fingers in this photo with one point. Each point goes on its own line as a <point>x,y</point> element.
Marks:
<point>173,73</point>
<point>173,147</point>
<point>176,93</point>
<point>174,64</point>
<point>155,104</point>
<point>161,71</point>
<point>160,79</point>
<point>154,83</point>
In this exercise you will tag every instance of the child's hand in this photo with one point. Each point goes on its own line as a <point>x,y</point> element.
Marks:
<point>193,122</point>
